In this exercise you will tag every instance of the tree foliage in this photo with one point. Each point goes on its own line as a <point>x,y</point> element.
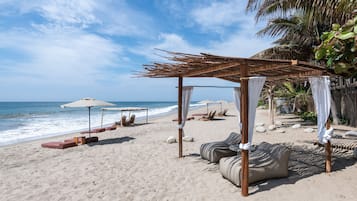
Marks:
<point>299,24</point>
<point>339,48</point>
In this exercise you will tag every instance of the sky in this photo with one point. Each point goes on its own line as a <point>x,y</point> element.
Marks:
<point>64,50</point>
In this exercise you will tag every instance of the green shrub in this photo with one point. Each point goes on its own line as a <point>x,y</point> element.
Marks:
<point>309,116</point>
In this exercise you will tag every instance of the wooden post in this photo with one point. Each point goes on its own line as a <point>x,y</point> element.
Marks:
<point>244,119</point>
<point>179,102</point>
<point>328,150</point>
<point>271,104</point>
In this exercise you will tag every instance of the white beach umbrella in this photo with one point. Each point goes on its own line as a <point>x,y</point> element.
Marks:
<point>89,103</point>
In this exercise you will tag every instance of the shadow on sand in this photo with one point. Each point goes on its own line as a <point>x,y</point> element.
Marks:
<point>112,141</point>
<point>305,162</point>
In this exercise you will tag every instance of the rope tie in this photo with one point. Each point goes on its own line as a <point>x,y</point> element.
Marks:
<point>180,126</point>
<point>245,146</point>
<point>328,135</point>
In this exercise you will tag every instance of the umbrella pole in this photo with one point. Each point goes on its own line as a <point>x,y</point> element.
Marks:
<point>89,119</point>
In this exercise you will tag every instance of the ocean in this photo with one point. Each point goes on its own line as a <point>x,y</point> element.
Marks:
<point>25,121</point>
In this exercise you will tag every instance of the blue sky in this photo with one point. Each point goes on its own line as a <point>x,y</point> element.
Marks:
<point>68,49</point>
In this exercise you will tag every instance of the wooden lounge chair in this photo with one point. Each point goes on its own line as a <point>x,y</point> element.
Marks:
<point>209,117</point>
<point>132,119</point>
<point>127,122</point>
<point>187,119</point>
<point>123,121</point>
<point>223,113</point>
<point>341,143</point>
<point>214,151</point>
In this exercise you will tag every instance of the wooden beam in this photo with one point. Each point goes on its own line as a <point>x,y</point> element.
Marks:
<point>328,150</point>
<point>231,79</point>
<point>180,115</point>
<point>244,118</point>
<point>252,70</point>
<point>295,75</point>
<point>211,69</point>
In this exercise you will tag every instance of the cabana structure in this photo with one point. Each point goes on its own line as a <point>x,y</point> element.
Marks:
<point>252,74</point>
<point>208,102</point>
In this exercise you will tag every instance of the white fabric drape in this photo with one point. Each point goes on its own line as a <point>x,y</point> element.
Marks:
<point>236,95</point>
<point>186,97</point>
<point>321,93</point>
<point>255,86</point>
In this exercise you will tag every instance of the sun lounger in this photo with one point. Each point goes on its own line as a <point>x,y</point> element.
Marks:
<point>59,145</point>
<point>209,117</point>
<point>266,162</point>
<point>223,113</point>
<point>97,130</point>
<point>342,143</point>
<point>351,134</point>
<point>91,139</point>
<point>200,114</point>
<point>187,119</point>
<point>110,128</point>
<point>77,140</point>
<point>214,151</point>
<point>132,119</point>
<point>125,122</point>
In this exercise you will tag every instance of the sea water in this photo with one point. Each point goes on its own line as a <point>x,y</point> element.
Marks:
<point>24,121</point>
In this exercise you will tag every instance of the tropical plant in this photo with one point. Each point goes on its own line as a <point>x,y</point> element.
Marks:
<point>299,23</point>
<point>298,95</point>
<point>296,38</point>
<point>339,48</point>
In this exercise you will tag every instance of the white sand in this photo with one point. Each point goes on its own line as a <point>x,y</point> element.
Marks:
<point>135,163</point>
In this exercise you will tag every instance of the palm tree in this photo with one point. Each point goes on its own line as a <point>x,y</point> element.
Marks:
<point>299,23</point>
<point>298,94</point>
<point>296,39</point>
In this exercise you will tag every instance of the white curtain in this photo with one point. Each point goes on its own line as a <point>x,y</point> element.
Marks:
<point>321,93</point>
<point>236,95</point>
<point>255,86</point>
<point>186,97</point>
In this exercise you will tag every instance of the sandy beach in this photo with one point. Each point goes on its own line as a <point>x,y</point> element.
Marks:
<point>135,163</point>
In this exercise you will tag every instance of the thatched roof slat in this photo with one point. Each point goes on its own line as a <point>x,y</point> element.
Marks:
<point>229,68</point>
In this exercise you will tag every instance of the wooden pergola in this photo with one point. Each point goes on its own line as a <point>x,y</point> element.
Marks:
<point>237,70</point>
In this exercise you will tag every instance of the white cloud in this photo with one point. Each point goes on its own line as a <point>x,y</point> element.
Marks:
<point>218,15</point>
<point>69,58</point>
<point>69,12</point>
<point>117,18</point>
<point>166,41</point>
<point>238,44</point>
<point>104,16</point>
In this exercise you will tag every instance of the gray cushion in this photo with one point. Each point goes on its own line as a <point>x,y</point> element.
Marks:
<point>214,151</point>
<point>267,161</point>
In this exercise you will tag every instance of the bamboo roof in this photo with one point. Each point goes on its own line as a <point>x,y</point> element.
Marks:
<point>229,68</point>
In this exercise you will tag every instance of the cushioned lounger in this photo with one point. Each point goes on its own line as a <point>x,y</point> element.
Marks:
<point>59,145</point>
<point>110,128</point>
<point>214,151</point>
<point>267,161</point>
<point>91,139</point>
<point>97,130</point>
